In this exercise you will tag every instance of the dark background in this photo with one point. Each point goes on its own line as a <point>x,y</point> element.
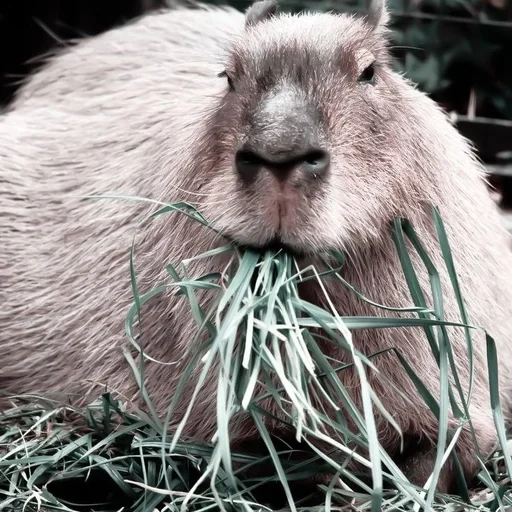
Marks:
<point>457,51</point>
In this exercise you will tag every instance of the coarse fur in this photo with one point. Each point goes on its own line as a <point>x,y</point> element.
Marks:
<point>142,111</point>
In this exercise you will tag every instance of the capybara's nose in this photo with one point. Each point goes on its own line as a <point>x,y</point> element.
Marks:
<point>309,162</point>
<point>283,135</point>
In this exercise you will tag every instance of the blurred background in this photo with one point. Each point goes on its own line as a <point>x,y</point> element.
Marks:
<point>455,50</point>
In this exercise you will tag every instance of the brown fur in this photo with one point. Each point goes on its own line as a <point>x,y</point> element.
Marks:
<point>140,111</point>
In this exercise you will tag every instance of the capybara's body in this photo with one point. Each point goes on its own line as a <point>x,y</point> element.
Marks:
<point>142,111</point>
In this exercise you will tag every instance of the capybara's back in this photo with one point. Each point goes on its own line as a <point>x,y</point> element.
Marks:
<point>288,130</point>
<point>115,115</point>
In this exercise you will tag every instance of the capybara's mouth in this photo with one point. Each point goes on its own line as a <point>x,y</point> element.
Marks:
<point>277,245</point>
<point>274,245</point>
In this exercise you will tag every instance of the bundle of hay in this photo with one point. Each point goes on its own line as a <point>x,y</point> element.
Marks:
<point>103,458</point>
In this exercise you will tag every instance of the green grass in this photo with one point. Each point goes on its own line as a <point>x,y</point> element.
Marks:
<point>267,342</point>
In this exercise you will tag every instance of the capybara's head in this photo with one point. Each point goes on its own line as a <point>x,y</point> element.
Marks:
<point>307,130</point>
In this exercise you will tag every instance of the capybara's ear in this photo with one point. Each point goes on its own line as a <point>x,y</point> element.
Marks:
<point>378,15</point>
<point>260,11</point>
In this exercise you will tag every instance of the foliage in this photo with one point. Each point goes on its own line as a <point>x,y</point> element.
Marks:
<point>263,343</point>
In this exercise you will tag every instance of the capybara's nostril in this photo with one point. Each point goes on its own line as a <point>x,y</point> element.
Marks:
<point>317,162</point>
<point>248,163</point>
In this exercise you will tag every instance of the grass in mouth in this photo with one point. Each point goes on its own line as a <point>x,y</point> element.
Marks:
<point>264,343</point>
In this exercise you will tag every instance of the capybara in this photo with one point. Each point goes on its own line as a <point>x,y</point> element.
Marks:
<point>287,129</point>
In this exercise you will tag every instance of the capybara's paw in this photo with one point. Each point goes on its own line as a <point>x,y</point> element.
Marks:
<point>418,464</point>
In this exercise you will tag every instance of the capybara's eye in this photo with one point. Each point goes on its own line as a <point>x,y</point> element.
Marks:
<point>368,75</point>
<point>224,74</point>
